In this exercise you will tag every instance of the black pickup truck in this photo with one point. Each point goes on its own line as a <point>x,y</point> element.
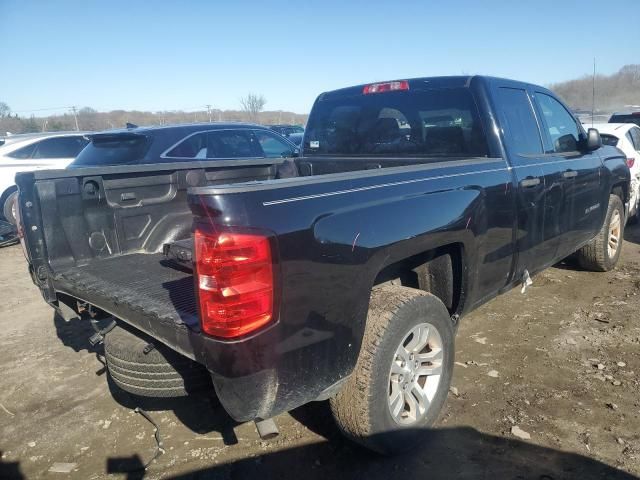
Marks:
<point>340,274</point>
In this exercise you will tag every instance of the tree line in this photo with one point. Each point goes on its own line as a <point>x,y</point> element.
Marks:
<point>612,92</point>
<point>251,110</point>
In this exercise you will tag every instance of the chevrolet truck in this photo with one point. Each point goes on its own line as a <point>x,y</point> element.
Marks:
<point>337,274</point>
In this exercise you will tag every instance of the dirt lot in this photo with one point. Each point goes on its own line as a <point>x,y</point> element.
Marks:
<point>561,363</point>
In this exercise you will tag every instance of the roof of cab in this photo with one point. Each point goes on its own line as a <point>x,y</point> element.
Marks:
<point>454,81</point>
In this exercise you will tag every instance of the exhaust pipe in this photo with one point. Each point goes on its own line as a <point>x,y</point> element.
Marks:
<point>267,429</point>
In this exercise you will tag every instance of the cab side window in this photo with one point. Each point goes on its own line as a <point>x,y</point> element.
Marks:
<point>560,124</point>
<point>519,122</point>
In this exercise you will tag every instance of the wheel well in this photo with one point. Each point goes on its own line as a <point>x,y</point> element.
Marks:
<point>621,191</point>
<point>438,271</point>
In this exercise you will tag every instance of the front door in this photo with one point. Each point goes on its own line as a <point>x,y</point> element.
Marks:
<point>574,201</point>
<point>535,240</point>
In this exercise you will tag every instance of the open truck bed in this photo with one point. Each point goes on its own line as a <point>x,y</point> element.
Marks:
<point>156,295</point>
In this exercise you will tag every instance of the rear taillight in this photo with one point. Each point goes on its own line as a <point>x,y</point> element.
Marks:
<point>630,162</point>
<point>235,282</point>
<point>385,87</point>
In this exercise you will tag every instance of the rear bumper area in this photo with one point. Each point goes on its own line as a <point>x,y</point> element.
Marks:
<point>257,377</point>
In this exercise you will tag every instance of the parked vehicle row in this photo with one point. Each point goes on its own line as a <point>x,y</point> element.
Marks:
<point>21,153</point>
<point>626,137</point>
<point>340,273</point>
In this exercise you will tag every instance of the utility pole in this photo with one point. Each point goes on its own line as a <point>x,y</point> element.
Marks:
<point>593,91</point>
<point>209,112</point>
<point>75,116</point>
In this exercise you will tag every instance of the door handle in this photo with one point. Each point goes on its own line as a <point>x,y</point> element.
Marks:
<point>570,174</point>
<point>530,182</point>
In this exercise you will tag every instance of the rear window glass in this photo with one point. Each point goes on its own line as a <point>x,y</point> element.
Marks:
<point>625,119</point>
<point>610,140</point>
<point>118,149</point>
<point>438,122</point>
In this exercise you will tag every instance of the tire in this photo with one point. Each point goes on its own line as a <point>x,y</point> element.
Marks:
<point>596,256</point>
<point>7,207</point>
<point>362,408</point>
<point>161,372</point>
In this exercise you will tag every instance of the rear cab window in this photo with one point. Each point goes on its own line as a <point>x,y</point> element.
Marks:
<point>414,122</point>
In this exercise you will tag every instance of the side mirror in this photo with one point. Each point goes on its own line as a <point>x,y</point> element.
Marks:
<point>295,153</point>
<point>594,141</point>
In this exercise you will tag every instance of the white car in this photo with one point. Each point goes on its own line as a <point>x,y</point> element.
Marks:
<point>625,136</point>
<point>22,153</point>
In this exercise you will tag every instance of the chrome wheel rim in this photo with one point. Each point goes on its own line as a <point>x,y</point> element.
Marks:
<point>414,377</point>
<point>615,228</point>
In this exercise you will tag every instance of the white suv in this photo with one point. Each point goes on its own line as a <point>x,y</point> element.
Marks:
<point>22,153</point>
<point>625,136</point>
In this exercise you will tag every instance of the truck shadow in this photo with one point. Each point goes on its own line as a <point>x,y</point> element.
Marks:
<point>461,453</point>
<point>632,234</point>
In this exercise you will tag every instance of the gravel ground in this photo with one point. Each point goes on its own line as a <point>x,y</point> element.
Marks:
<point>546,387</point>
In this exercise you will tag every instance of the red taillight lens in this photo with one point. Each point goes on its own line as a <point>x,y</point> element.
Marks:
<point>235,282</point>
<point>385,87</point>
<point>630,162</point>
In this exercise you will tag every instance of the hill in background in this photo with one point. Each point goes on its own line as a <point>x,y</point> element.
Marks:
<point>92,120</point>
<point>613,92</point>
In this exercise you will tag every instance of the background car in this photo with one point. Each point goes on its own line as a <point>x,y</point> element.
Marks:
<point>20,153</point>
<point>296,138</point>
<point>626,136</point>
<point>626,117</point>
<point>286,130</point>
<point>293,133</point>
<point>175,143</point>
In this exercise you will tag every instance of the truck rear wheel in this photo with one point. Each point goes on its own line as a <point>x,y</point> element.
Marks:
<point>603,252</point>
<point>403,373</point>
<point>160,372</point>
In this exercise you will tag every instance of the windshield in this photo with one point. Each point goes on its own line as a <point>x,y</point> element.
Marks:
<point>438,122</point>
<point>113,149</point>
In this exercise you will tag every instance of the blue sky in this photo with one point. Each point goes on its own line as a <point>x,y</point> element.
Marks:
<point>159,55</point>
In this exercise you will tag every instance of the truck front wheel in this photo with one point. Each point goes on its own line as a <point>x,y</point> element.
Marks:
<point>403,373</point>
<point>602,253</point>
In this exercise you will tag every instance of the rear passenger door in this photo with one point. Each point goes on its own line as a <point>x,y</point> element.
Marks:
<point>535,242</point>
<point>576,201</point>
